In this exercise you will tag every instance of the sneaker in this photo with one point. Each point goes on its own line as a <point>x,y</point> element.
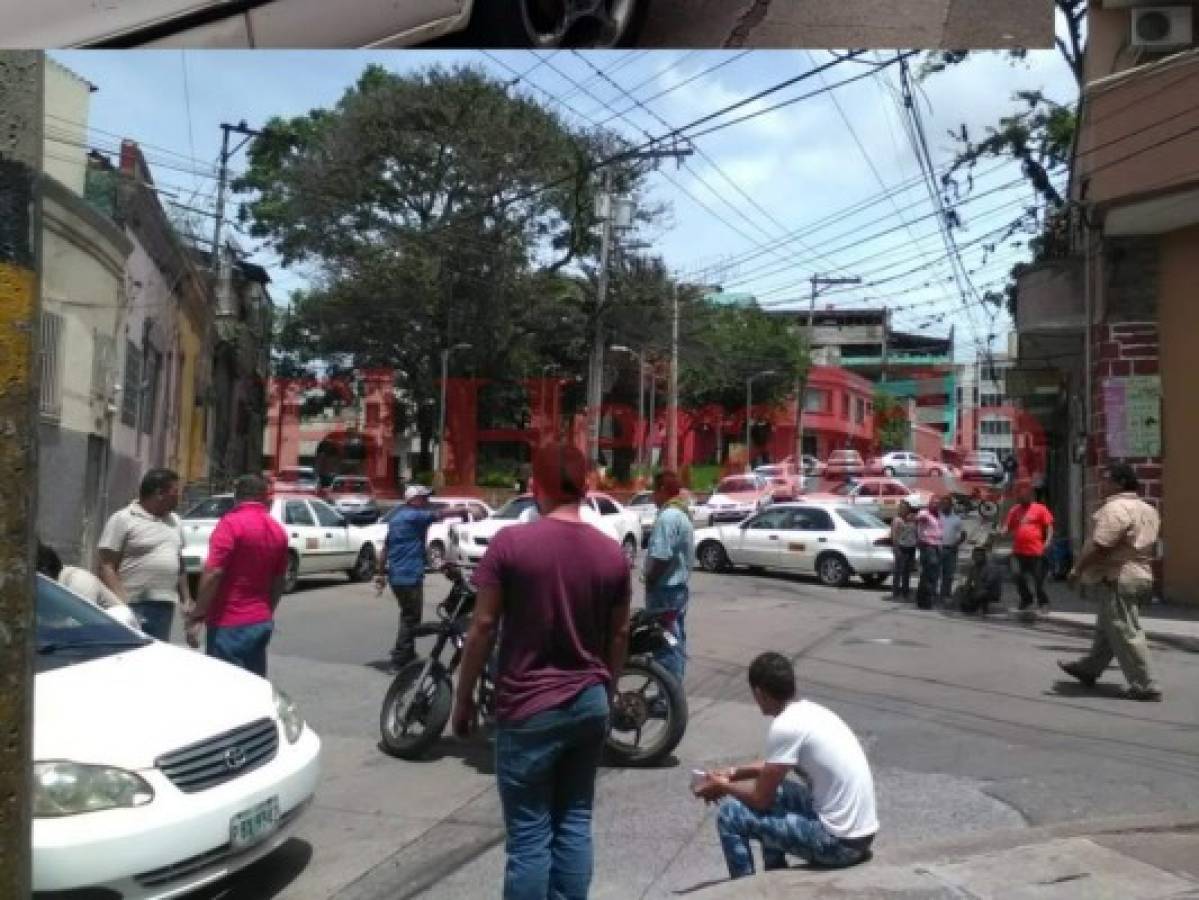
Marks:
<point>1075,671</point>
<point>1146,695</point>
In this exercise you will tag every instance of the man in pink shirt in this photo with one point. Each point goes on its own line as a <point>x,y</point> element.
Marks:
<point>242,581</point>
<point>929,533</point>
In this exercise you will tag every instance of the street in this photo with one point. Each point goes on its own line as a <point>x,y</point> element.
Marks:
<point>950,24</point>
<point>969,729</point>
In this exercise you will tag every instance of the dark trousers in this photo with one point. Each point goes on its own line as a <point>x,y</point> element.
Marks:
<point>155,617</point>
<point>1030,567</point>
<point>930,575</point>
<point>411,598</point>
<point>901,579</point>
<point>240,645</point>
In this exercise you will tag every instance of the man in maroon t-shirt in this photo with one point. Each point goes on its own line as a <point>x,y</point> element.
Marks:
<point>242,581</point>
<point>561,590</point>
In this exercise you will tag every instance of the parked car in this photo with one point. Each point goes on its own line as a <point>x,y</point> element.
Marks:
<point>296,480</point>
<point>904,463</point>
<point>982,465</point>
<point>320,540</point>
<point>736,497</point>
<point>785,482</point>
<point>165,794</point>
<point>642,503</point>
<point>878,496</point>
<point>437,540</point>
<point>845,464</point>
<point>317,24</point>
<point>469,542</point>
<point>354,497</point>
<point>830,540</point>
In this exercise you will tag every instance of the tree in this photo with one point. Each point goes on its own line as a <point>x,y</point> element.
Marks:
<point>891,426</point>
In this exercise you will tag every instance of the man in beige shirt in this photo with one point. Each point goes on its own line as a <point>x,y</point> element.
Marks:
<point>141,554</point>
<point>1119,557</point>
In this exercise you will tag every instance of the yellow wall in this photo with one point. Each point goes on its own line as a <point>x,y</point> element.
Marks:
<point>193,463</point>
<point>1178,317</point>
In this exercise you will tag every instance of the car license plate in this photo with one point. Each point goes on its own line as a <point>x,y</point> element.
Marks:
<point>254,824</point>
<point>670,638</point>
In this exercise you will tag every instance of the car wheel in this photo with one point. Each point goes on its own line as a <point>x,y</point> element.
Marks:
<point>364,565</point>
<point>554,24</point>
<point>292,575</point>
<point>712,557</point>
<point>889,472</point>
<point>832,570</point>
<point>435,556</point>
<point>629,546</point>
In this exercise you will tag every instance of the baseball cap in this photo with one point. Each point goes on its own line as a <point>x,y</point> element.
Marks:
<point>416,490</point>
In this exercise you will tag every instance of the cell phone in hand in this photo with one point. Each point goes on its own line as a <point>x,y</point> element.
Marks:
<point>698,777</point>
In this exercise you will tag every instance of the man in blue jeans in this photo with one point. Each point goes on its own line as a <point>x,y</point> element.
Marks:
<point>828,820</point>
<point>668,565</point>
<point>560,588</point>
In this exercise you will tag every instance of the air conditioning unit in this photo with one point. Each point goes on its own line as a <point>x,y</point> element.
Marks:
<point>1162,27</point>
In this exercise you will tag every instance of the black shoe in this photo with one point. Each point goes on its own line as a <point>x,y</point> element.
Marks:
<point>1146,695</point>
<point>1075,671</point>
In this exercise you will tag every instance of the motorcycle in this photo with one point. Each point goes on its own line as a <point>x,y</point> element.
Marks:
<point>964,504</point>
<point>649,709</point>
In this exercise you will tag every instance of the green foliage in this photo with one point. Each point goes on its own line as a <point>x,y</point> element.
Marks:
<point>496,478</point>
<point>891,426</point>
<point>704,478</point>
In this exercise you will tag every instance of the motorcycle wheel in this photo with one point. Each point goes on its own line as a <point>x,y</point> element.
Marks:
<point>627,743</point>
<point>427,717</point>
<point>988,509</point>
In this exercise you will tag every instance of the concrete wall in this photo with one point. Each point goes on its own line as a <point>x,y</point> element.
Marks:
<point>1178,314</point>
<point>67,101</point>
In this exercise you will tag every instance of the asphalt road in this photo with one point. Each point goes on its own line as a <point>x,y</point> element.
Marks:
<point>967,726</point>
<point>816,24</point>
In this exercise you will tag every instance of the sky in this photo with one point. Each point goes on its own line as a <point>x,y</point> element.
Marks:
<point>751,210</point>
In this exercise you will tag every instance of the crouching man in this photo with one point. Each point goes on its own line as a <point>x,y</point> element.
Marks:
<point>828,820</point>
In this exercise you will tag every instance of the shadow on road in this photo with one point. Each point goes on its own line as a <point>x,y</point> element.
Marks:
<point>1110,690</point>
<point>476,752</point>
<point>268,877</point>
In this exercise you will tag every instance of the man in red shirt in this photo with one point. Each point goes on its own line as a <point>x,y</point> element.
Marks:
<point>561,590</point>
<point>1031,526</point>
<point>242,581</point>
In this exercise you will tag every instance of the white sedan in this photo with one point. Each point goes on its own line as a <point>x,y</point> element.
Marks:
<point>157,770</point>
<point>642,503</point>
<point>319,539</point>
<point>832,542</point>
<point>437,541</point>
<point>317,23</point>
<point>468,543</point>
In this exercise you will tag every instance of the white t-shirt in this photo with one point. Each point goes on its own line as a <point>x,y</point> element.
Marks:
<point>820,746</point>
<point>150,549</point>
<point>951,529</point>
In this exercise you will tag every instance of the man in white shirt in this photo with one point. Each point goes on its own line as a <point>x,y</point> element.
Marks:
<point>828,820</point>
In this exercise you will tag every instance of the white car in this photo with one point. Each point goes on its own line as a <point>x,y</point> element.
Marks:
<point>468,543</point>
<point>642,503</point>
<point>317,24</point>
<point>437,541</point>
<point>319,539</point>
<point>831,541</point>
<point>902,462</point>
<point>738,496</point>
<point>878,496</point>
<point>157,770</point>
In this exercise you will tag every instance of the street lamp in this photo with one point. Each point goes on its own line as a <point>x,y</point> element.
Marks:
<point>445,375</point>
<point>749,405</point>
<point>640,392</point>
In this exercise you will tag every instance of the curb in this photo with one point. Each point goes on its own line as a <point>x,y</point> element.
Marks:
<point>1181,642</point>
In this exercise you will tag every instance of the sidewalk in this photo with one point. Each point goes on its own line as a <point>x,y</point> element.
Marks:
<point>1134,858</point>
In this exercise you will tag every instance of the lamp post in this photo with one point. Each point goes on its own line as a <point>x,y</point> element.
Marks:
<point>749,405</point>
<point>445,375</point>
<point>640,392</point>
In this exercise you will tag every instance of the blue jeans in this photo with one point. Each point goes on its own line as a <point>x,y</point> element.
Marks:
<point>949,569</point>
<point>790,826</point>
<point>930,575</point>
<point>240,645</point>
<point>155,616</point>
<point>673,659</point>
<point>545,768</point>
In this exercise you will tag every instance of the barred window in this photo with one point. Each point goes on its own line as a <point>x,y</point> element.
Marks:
<point>131,392</point>
<point>50,368</point>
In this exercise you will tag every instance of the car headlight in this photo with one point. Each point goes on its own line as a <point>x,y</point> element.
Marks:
<point>289,715</point>
<point>67,789</point>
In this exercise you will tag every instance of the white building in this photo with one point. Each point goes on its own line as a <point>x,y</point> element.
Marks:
<point>986,418</point>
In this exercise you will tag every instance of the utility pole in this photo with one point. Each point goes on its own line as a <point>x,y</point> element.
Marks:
<point>672,422</point>
<point>817,282</point>
<point>21,119</point>
<point>439,467</point>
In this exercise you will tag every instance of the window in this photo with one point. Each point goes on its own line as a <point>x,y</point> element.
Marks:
<point>891,489</point>
<point>809,519</point>
<point>297,513</point>
<point>326,515</point>
<point>845,406</point>
<point>859,411</point>
<point>771,520</point>
<point>51,365</point>
<point>996,427</point>
<point>131,390</point>
<point>858,519</point>
<point>872,489</point>
<point>513,508</point>
<point>643,499</point>
<point>153,364</point>
<point>816,400</point>
<point>606,506</point>
<point>992,400</point>
<point>212,508</point>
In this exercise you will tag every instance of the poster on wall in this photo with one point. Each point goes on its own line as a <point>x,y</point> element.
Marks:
<point>1132,408</point>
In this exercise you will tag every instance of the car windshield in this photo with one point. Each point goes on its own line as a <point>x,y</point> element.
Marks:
<point>513,508</point>
<point>976,458</point>
<point>212,508</point>
<point>770,471</point>
<point>845,456</point>
<point>855,518</point>
<point>297,476</point>
<point>70,630</point>
<point>643,499</point>
<point>352,486</point>
<point>736,486</point>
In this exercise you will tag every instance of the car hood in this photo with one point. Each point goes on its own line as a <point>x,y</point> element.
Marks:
<point>352,498</point>
<point>740,497</point>
<point>128,709</point>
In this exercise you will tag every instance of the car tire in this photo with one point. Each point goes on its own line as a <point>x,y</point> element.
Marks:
<point>712,557</point>
<point>435,556</point>
<point>833,570</point>
<point>507,24</point>
<point>364,565</point>
<point>292,576</point>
